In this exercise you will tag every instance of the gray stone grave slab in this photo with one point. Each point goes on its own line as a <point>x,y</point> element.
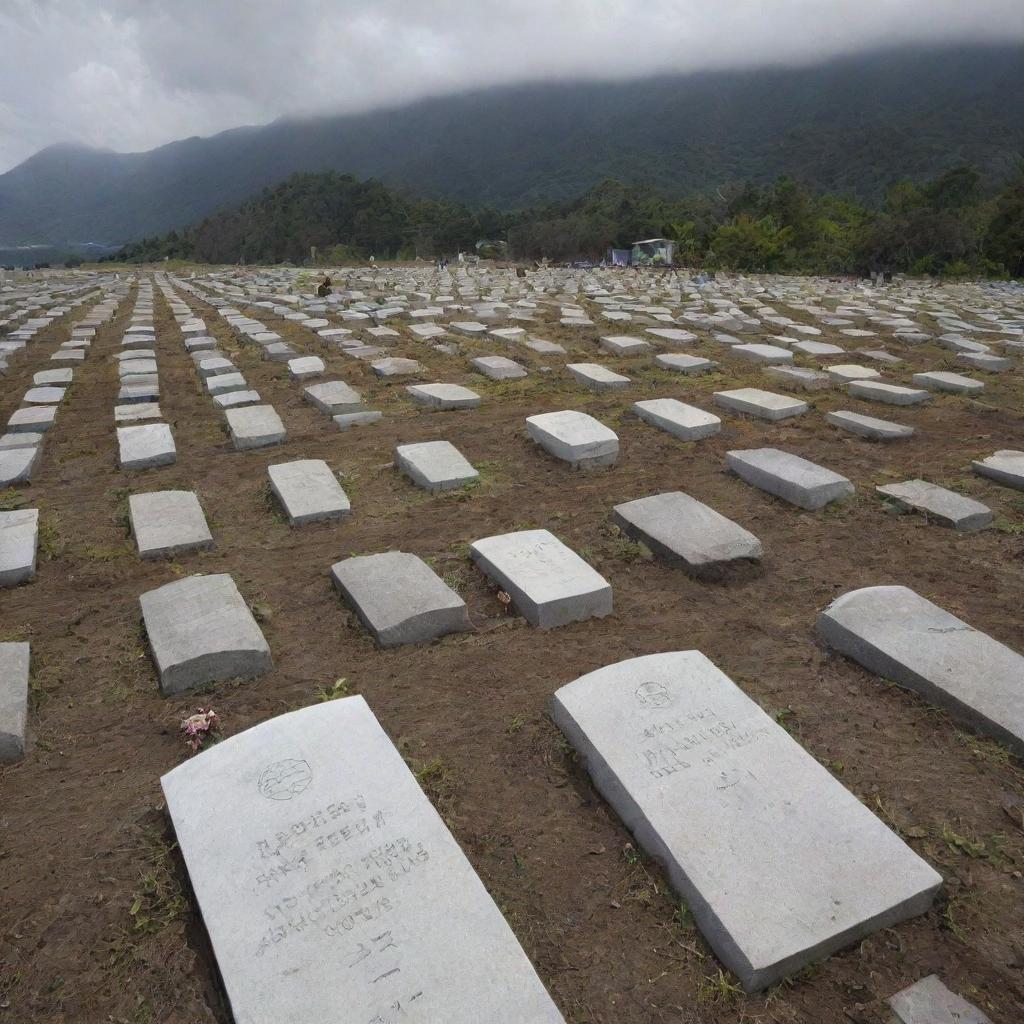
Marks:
<point>279,352</point>
<point>145,446</point>
<point>168,523</point>
<point>333,397</point>
<point>779,864</point>
<point>435,465</point>
<point>550,585</point>
<point>686,422</point>
<point>234,399</point>
<point>928,1001</point>
<point>44,396</point>
<point>672,335</point>
<point>308,491</point>
<point>468,327</point>
<point>134,411</point>
<point>597,377</point>
<point>682,363</point>
<point>225,383</point>
<point>498,367</point>
<point>200,344</point>
<point>623,345</point>
<point>305,367</point>
<point>765,405</point>
<point>953,383</point>
<point>942,505</point>
<point>1005,467</point>
<point>686,532</point>
<point>201,631</point>
<point>399,598</point>
<point>868,426</point>
<point>14,665</point>
<point>357,419</point>
<point>332,890</point>
<point>984,361</point>
<point>844,373</point>
<point>443,396</point>
<point>21,439</point>
<point>394,368</point>
<point>254,426</point>
<point>798,377</point>
<point>134,367</point>
<point>574,437</point>
<point>18,464</point>
<point>543,347</point>
<point>879,356</point>
<point>68,355</point>
<point>19,538</point>
<point>214,366</point>
<point>763,353</point>
<point>903,637</point>
<point>789,477</point>
<point>51,378</point>
<point>138,393</point>
<point>818,348</point>
<point>890,394</point>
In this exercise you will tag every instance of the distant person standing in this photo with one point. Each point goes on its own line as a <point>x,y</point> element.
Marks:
<point>323,289</point>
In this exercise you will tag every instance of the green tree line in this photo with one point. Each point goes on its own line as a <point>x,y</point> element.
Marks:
<point>949,226</point>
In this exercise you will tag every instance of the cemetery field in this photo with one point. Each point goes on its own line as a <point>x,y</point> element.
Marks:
<point>98,922</point>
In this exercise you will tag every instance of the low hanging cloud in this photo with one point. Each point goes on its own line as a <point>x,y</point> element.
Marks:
<point>133,74</point>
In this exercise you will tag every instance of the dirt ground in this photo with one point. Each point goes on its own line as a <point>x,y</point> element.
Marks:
<point>97,923</point>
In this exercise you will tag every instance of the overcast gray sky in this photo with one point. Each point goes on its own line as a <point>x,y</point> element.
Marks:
<point>132,74</point>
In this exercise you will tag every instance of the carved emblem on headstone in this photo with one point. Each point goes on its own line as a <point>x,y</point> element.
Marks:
<point>285,779</point>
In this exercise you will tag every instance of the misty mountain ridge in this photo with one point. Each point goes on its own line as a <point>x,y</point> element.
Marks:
<point>852,125</point>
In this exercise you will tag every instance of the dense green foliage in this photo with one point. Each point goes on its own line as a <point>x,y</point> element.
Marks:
<point>947,226</point>
<point>848,126</point>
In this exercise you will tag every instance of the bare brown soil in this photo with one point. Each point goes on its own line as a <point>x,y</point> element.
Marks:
<point>96,920</point>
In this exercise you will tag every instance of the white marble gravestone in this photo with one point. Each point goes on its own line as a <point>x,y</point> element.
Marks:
<point>19,538</point>
<point>308,491</point>
<point>779,863</point>
<point>928,1001</point>
<point>899,635</point>
<point>331,889</point>
<point>550,585</point>
<point>167,523</point>
<point>14,663</point>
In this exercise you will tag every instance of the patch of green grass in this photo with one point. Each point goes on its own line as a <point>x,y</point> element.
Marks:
<point>338,689</point>
<point>51,544</point>
<point>11,498</point>
<point>717,990</point>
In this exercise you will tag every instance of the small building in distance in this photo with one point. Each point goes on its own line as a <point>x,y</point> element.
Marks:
<point>652,250</point>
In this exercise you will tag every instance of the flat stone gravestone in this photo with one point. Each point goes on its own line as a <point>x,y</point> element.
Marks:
<point>798,377</point>
<point>14,664</point>
<point>399,598</point>
<point>574,437</point>
<point>393,368</point>
<point>686,422</point>
<point>686,532</point>
<point>279,352</point>
<point>234,399</point>
<point>944,506</point>
<point>18,464</point>
<point>443,396</point>
<point>789,477</point>
<point>357,419</point>
<point>550,585</point>
<point>332,890</point>
<point>681,363</point>
<point>545,348</point>
<point>168,523</point>
<point>61,378</point>
<point>24,439</point>
<point>33,420</point>
<point>984,361</point>
<point>778,862</point>
<point>1005,467</point>
<point>225,383</point>
<point>333,397</point>
<point>954,383</point>
<point>255,426</point>
<point>145,446</point>
<point>844,373</point>
<point>308,491</point>
<point>765,405</point>
<point>763,353</point>
<point>200,631</point>
<point>818,348</point>
<point>901,636</point>
<point>672,335</point>
<point>498,367</point>
<point>214,367</point>
<point>134,411</point>
<point>891,394</point>
<point>135,367</point>
<point>928,1001</point>
<point>305,367</point>
<point>623,345</point>
<point>597,377</point>
<point>435,465</point>
<point>139,393</point>
<point>868,426</point>
<point>44,396</point>
<point>19,538</point>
